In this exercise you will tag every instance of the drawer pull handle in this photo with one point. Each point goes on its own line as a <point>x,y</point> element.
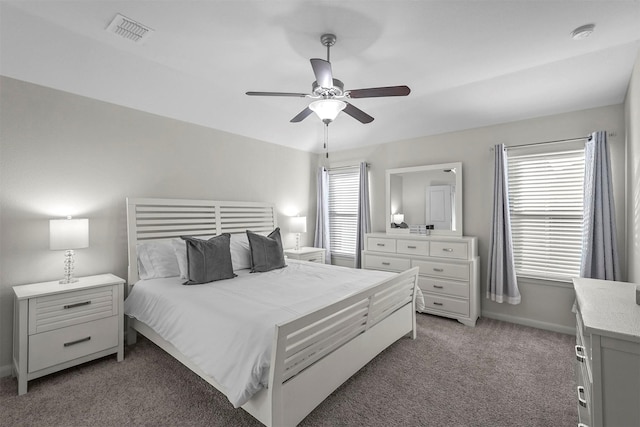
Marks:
<point>437,303</point>
<point>386,263</point>
<point>439,270</point>
<point>379,244</point>
<point>312,259</point>
<point>447,249</point>
<point>582,401</point>
<point>78,304</point>
<point>68,344</point>
<point>438,286</point>
<point>412,247</point>
<point>580,354</point>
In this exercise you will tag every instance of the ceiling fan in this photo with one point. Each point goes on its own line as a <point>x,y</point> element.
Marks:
<point>330,95</point>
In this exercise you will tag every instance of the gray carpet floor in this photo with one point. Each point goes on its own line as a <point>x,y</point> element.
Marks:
<point>496,374</point>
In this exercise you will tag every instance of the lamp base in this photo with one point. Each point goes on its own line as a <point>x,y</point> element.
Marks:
<point>68,268</point>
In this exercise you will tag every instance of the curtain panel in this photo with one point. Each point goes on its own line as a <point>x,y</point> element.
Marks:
<point>321,239</point>
<point>364,213</point>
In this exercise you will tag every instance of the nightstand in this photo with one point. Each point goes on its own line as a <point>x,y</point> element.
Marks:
<point>57,326</point>
<point>306,254</point>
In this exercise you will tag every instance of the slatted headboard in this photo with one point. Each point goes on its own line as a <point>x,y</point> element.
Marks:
<point>157,219</point>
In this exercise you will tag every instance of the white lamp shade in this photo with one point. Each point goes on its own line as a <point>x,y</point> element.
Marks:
<point>68,233</point>
<point>298,224</point>
<point>398,218</point>
<point>327,109</point>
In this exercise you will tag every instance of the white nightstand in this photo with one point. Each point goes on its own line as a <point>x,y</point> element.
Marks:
<point>57,326</point>
<point>306,254</point>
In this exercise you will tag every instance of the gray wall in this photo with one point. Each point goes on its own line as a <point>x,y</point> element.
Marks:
<point>62,154</point>
<point>632,114</point>
<point>544,304</point>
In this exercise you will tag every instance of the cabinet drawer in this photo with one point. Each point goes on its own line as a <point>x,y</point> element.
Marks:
<point>386,263</point>
<point>457,250</point>
<point>442,269</point>
<point>442,303</point>
<point>412,247</point>
<point>444,287</point>
<point>61,345</point>
<point>381,245</point>
<point>313,257</point>
<point>61,310</point>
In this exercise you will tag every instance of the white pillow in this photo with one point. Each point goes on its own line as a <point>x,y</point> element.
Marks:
<point>158,260</point>
<point>180,250</point>
<point>240,251</point>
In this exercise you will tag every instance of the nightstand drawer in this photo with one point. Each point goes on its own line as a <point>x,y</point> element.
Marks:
<point>386,263</point>
<point>61,345</point>
<point>313,257</point>
<point>381,245</point>
<point>52,312</point>
<point>413,247</point>
<point>442,269</point>
<point>457,250</point>
<point>444,287</point>
<point>436,302</point>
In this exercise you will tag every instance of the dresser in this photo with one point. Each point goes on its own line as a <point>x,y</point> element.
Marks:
<point>449,269</point>
<point>57,326</point>
<point>607,353</point>
<point>306,254</point>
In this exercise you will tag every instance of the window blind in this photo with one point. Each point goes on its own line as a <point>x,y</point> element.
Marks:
<point>343,210</point>
<point>546,206</point>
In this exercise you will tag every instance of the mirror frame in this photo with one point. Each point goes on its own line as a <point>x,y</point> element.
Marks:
<point>422,169</point>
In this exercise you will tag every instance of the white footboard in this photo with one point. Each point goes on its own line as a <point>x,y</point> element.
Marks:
<point>315,353</point>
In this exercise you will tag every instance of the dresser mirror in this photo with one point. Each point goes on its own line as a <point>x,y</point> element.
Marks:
<point>425,200</point>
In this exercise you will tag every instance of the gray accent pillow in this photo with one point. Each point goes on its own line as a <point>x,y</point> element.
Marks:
<point>208,260</point>
<point>266,251</point>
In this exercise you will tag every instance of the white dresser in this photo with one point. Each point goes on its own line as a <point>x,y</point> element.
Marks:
<point>607,353</point>
<point>57,326</point>
<point>449,269</point>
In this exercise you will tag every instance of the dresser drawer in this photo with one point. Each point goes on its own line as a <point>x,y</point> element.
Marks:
<point>61,345</point>
<point>413,247</point>
<point>71,308</point>
<point>381,245</point>
<point>313,257</point>
<point>444,287</point>
<point>442,269</point>
<point>457,250</point>
<point>442,303</point>
<point>386,263</point>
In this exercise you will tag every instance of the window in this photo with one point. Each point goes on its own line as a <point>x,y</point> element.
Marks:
<point>343,210</point>
<point>545,201</point>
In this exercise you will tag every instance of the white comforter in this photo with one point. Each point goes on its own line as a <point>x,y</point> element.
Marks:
<point>226,328</point>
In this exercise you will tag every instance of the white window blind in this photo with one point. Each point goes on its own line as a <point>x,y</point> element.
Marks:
<point>343,210</point>
<point>546,206</point>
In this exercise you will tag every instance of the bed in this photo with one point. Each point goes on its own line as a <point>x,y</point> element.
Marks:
<point>333,322</point>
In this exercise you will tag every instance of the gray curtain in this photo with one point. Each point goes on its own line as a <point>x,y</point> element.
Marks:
<point>321,239</point>
<point>502,285</point>
<point>599,247</point>
<point>364,213</point>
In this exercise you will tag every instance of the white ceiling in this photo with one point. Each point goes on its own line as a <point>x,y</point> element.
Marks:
<point>468,63</point>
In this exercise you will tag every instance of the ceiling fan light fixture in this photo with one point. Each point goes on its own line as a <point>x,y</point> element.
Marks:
<point>327,109</point>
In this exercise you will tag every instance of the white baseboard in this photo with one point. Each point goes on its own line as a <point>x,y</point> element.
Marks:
<point>5,371</point>
<point>530,322</point>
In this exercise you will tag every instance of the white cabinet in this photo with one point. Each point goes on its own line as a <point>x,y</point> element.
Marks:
<point>57,326</point>
<point>449,269</point>
<point>306,254</point>
<point>607,353</point>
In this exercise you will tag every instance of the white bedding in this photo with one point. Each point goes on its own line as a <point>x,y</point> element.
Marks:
<point>226,328</point>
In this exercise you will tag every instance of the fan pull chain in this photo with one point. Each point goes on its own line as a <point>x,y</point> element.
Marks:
<point>326,139</point>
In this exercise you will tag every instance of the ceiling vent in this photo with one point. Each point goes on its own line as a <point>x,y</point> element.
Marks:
<point>129,29</point>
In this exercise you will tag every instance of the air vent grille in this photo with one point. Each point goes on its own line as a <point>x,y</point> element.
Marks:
<point>129,29</point>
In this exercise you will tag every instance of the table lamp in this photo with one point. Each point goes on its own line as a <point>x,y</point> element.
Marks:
<point>298,225</point>
<point>68,234</point>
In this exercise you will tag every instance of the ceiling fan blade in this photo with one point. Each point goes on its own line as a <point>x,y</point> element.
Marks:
<point>301,115</point>
<point>375,92</point>
<point>297,95</point>
<point>357,114</point>
<point>322,70</point>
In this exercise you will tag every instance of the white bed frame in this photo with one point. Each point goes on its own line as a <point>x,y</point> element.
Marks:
<point>312,354</point>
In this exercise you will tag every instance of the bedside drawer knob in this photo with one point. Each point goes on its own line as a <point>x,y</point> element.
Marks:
<point>581,400</point>
<point>386,263</point>
<point>447,249</point>
<point>580,354</point>
<point>439,270</point>
<point>68,344</point>
<point>438,286</point>
<point>78,304</point>
<point>437,303</point>
<point>412,247</point>
<point>379,244</point>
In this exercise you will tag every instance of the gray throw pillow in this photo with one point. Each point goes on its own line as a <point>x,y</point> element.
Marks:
<point>266,251</point>
<point>208,260</point>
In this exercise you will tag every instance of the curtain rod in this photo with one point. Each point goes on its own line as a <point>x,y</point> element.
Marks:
<point>558,141</point>
<point>344,167</point>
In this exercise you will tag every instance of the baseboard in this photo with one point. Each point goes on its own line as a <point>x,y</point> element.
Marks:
<point>5,371</point>
<point>530,322</point>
